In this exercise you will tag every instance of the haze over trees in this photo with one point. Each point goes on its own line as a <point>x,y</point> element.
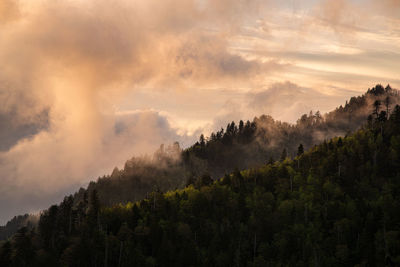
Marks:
<point>258,193</point>
<point>240,146</point>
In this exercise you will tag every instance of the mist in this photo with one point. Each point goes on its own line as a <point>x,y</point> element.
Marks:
<point>69,63</point>
<point>68,66</point>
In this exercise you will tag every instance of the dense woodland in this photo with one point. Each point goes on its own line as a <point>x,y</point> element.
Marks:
<point>252,144</point>
<point>239,146</point>
<point>335,204</point>
<point>15,223</point>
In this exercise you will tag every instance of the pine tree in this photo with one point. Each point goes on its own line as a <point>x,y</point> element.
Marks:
<point>300,150</point>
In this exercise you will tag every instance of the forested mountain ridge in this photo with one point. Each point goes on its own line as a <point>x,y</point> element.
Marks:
<point>240,146</point>
<point>252,144</point>
<point>333,205</point>
<point>27,220</point>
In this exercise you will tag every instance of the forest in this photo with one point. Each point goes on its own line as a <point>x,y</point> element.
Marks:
<point>260,193</point>
<point>239,146</point>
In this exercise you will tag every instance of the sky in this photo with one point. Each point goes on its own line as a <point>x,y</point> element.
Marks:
<point>87,84</point>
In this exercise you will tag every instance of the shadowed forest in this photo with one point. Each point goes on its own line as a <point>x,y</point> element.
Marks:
<point>321,192</point>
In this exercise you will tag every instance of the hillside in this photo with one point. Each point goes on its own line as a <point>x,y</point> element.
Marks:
<point>27,220</point>
<point>240,146</point>
<point>334,205</point>
<point>252,144</point>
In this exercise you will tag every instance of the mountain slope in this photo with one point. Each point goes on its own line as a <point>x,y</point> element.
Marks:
<point>252,144</point>
<point>26,220</point>
<point>241,146</point>
<point>335,205</point>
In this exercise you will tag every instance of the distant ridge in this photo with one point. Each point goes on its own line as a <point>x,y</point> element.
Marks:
<point>239,146</point>
<point>335,204</point>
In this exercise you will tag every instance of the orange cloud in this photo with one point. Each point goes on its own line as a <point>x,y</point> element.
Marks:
<point>72,62</point>
<point>67,64</point>
<point>9,11</point>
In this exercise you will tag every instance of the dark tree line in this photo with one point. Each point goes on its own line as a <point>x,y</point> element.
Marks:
<point>239,146</point>
<point>335,204</point>
<point>252,144</point>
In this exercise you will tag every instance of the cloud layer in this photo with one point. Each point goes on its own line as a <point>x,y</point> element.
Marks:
<point>86,84</point>
<point>69,63</point>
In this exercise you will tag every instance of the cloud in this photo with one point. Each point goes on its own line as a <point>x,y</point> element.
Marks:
<point>67,65</point>
<point>284,101</point>
<point>9,11</point>
<point>387,7</point>
<point>52,164</point>
<point>12,131</point>
<point>337,14</point>
<point>349,17</point>
<point>288,101</point>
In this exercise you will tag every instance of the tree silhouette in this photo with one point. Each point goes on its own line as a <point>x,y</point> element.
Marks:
<point>300,150</point>
<point>377,105</point>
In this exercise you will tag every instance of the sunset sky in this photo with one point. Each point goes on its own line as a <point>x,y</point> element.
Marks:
<point>87,84</point>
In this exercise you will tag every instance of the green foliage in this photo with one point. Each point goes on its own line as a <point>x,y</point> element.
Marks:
<point>334,205</point>
<point>252,144</point>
